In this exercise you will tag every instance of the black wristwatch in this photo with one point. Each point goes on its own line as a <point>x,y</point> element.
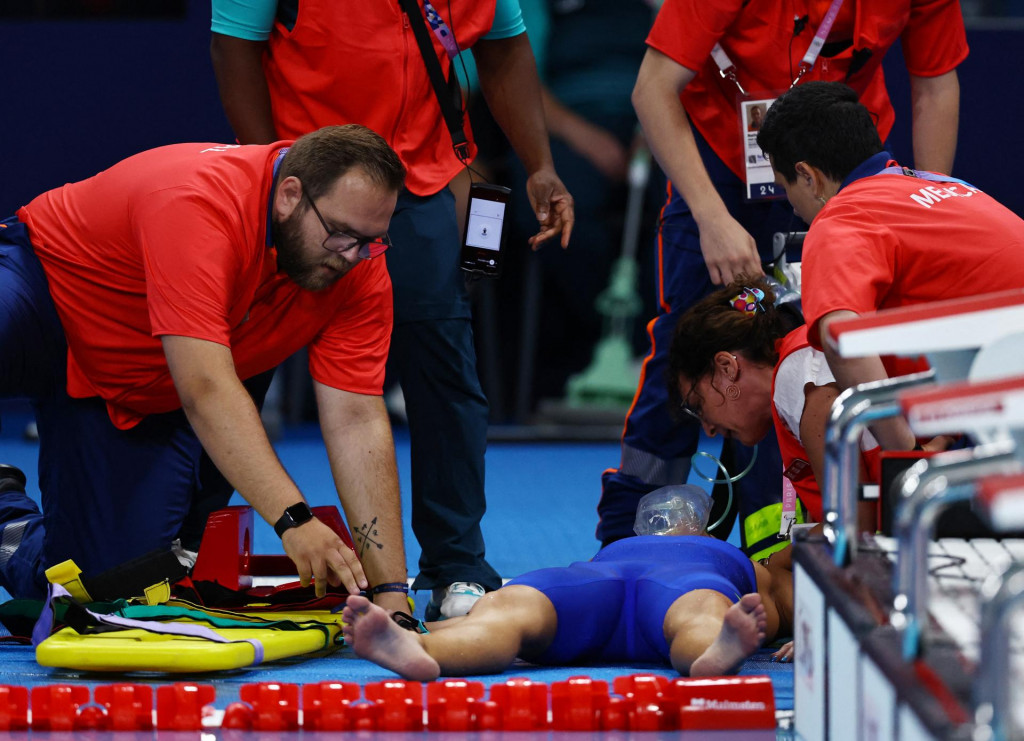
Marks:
<point>294,516</point>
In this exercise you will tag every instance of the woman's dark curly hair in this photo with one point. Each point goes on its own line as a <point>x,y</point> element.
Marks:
<point>714,325</point>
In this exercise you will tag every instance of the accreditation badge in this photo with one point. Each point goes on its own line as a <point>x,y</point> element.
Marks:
<point>759,178</point>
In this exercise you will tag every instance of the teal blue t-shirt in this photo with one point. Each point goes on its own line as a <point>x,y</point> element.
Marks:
<point>254,19</point>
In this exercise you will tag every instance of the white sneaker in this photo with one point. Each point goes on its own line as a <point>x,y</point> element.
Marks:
<point>454,600</point>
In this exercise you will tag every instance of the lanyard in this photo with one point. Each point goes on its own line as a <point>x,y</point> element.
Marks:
<point>441,30</point>
<point>728,70</point>
<point>270,201</point>
<point>933,176</point>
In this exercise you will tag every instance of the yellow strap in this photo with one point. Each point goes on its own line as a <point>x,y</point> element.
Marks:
<point>773,548</point>
<point>68,575</point>
<point>157,594</point>
<point>764,524</point>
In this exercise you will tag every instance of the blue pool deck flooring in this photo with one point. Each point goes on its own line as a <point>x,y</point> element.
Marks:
<point>542,499</point>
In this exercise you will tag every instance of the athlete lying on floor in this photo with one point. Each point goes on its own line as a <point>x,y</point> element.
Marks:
<point>694,602</point>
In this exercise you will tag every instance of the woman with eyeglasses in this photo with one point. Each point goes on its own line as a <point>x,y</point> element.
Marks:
<point>739,365</point>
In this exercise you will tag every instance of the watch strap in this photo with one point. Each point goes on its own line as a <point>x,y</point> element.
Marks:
<point>293,516</point>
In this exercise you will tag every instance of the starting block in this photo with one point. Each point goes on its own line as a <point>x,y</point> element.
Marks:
<point>860,668</point>
<point>226,557</point>
<point>972,337</point>
<point>989,410</point>
<point>1000,500</point>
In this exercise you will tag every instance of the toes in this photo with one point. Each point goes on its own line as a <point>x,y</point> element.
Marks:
<point>750,602</point>
<point>357,601</point>
<point>355,607</point>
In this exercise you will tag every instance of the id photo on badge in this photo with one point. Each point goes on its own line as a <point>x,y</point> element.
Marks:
<point>755,115</point>
<point>759,178</point>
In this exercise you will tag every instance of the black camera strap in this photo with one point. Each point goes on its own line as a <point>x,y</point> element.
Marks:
<point>448,92</point>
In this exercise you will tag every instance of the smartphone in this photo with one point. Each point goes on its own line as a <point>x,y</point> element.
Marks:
<point>484,236</point>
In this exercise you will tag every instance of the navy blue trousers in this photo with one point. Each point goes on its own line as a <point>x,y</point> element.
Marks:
<point>656,448</point>
<point>108,495</point>
<point>433,357</point>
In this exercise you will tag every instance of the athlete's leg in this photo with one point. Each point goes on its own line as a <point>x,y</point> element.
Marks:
<point>502,625</point>
<point>710,635</point>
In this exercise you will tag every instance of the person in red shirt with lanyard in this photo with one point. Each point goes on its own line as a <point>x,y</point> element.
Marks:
<point>708,65</point>
<point>140,308</point>
<point>285,68</point>
<point>880,235</point>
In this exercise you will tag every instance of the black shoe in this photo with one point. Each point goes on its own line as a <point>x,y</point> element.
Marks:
<point>12,478</point>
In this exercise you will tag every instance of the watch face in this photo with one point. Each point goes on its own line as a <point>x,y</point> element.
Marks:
<point>299,513</point>
<point>293,516</point>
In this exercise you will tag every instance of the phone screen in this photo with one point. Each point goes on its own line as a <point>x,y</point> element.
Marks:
<point>484,235</point>
<point>483,229</point>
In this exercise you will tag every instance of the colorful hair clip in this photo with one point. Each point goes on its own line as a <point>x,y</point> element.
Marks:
<point>748,300</point>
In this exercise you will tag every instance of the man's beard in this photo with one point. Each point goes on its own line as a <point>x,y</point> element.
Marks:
<point>306,272</point>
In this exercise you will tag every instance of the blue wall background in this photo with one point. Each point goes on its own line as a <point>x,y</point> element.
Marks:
<point>991,143</point>
<point>80,95</point>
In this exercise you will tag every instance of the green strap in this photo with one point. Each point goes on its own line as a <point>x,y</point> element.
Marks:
<point>761,530</point>
<point>20,615</point>
<point>163,612</point>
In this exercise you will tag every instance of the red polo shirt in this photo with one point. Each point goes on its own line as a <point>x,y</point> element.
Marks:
<point>892,240</point>
<point>173,242</point>
<point>346,62</point>
<point>759,38</point>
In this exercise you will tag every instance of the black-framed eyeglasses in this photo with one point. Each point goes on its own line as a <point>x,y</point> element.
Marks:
<point>339,242</point>
<point>688,408</point>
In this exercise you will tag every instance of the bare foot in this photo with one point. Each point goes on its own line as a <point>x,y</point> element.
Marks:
<point>742,632</point>
<point>372,634</point>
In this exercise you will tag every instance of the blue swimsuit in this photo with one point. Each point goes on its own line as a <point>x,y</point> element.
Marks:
<point>612,609</point>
